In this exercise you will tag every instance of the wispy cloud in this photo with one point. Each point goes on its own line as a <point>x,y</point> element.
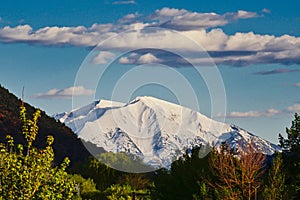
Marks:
<point>124,2</point>
<point>297,84</point>
<point>277,71</point>
<point>295,108</point>
<point>248,114</point>
<point>242,14</point>
<point>265,10</point>
<point>65,93</point>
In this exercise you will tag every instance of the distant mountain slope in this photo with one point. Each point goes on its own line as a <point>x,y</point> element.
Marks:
<point>66,142</point>
<point>155,130</point>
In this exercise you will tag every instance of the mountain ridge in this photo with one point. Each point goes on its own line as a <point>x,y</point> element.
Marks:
<point>155,130</point>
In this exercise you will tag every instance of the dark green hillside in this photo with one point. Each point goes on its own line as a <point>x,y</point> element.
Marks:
<point>65,141</point>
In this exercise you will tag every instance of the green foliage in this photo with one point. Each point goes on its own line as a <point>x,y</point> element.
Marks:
<point>184,178</point>
<point>27,172</point>
<point>292,143</point>
<point>136,181</point>
<point>84,187</point>
<point>275,188</point>
<point>291,157</point>
<point>126,192</point>
<point>124,162</point>
<point>100,173</point>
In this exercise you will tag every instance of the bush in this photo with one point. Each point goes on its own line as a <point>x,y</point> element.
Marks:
<point>27,172</point>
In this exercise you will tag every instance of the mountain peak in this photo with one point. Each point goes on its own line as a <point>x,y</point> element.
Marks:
<point>155,130</point>
<point>149,99</point>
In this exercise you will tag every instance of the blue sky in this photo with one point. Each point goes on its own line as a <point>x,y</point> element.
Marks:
<point>254,46</point>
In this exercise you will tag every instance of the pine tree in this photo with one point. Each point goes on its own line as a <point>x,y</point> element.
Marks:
<point>291,157</point>
<point>292,143</point>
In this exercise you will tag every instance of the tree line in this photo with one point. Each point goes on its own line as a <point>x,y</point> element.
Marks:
<point>27,172</point>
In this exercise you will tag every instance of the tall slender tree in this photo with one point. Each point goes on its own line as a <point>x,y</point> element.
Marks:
<point>291,157</point>
<point>275,188</point>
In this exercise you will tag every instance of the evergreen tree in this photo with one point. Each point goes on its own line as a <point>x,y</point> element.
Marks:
<point>292,143</point>
<point>184,178</point>
<point>291,157</point>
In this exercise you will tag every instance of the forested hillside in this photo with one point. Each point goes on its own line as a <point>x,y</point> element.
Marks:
<point>66,144</point>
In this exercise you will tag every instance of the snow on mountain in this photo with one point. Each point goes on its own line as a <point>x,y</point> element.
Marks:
<point>157,131</point>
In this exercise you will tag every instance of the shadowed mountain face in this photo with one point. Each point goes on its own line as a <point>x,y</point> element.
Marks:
<point>66,143</point>
<point>154,130</point>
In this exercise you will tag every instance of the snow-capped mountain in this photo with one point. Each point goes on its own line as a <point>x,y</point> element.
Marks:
<point>157,131</point>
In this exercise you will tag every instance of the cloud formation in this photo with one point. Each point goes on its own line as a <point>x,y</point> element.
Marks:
<point>181,19</point>
<point>265,10</point>
<point>66,93</point>
<point>58,36</point>
<point>295,108</point>
<point>238,49</point>
<point>267,113</point>
<point>124,2</point>
<point>135,58</point>
<point>103,57</point>
<point>277,71</point>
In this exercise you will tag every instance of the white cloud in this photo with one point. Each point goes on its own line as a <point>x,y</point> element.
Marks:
<point>125,60</point>
<point>266,47</point>
<point>103,57</point>
<point>237,49</point>
<point>77,36</point>
<point>294,108</point>
<point>124,2</point>
<point>147,59</point>
<point>186,20</point>
<point>268,113</point>
<point>169,12</point>
<point>131,59</point>
<point>65,93</point>
<point>246,15</point>
<point>265,10</point>
<point>130,18</point>
<point>134,58</point>
<point>297,84</point>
